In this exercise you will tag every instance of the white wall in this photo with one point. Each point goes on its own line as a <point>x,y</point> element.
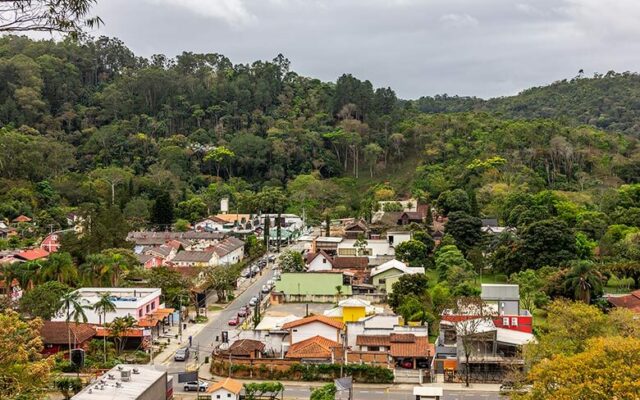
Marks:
<point>399,237</point>
<point>320,263</point>
<point>234,257</point>
<point>209,225</point>
<point>304,332</point>
<point>223,394</point>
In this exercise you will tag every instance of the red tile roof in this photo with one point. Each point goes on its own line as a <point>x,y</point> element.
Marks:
<point>373,340</point>
<point>228,384</point>
<point>315,347</point>
<point>245,347</point>
<point>58,332</point>
<point>418,348</point>
<point>350,262</point>
<point>22,218</point>
<point>402,338</point>
<point>314,318</point>
<point>630,301</point>
<point>33,254</point>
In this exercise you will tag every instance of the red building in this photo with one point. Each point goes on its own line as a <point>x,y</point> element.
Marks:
<point>55,336</point>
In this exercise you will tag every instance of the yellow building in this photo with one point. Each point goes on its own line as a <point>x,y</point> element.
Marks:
<point>351,310</point>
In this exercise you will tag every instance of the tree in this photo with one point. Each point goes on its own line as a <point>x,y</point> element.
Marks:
<point>162,211</point>
<point>181,225</point>
<point>44,301</point>
<point>448,257</point>
<point>467,330</point>
<point>258,390</point>
<point>360,245</point>
<point>74,311</point>
<point>606,369</point>
<point>69,16</point>
<point>291,261</point>
<point>425,238</point>
<point>221,156</point>
<point>114,176</point>
<point>547,242</point>
<point>103,306</point>
<point>118,329</point>
<point>414,253</point>
<point>172,283</point>
<point>531,287</point>
<point>222,280</point>
<point>68,386</point>
<point>415,284</point>
<point>326,392</point>
<point>372,153</point>
<point>465,229</point>
<point>584,280</point>
<point>25,373</point>
<point>454,200</point>
<point>192,210</point>
<point>59,266</point>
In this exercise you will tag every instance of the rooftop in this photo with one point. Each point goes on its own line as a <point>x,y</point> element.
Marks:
<point>314,318</point>
<point>53,332</point>
<point>315,347</point>
<point>311,283</point>
<point>228,384</point>
<point>105,388</point>
<point>122,297</point>
<point>630,301</point>
<point>499,291</point>
<point>397,265</point>
<point>193,256</point>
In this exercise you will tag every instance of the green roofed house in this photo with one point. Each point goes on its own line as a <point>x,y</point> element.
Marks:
<point>311,286</point>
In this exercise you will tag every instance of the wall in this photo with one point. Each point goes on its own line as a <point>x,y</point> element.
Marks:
<point>319,263</point>
<point>223,394</point>
<point>350,314</point>
<point>157,391</point>
<point>524,323</point>
<point>303,332</point>
<point>232,258</point>
<point>398,237</point>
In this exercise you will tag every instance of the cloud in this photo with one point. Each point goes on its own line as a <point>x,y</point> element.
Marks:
<point>234,12</point>
<point>459,20</point>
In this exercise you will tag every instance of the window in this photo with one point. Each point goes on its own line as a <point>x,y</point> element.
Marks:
<point>139,313</point>
<point>514,321</point>
<point>373,348</point>
<point>228,394</point>
<point>217,396</point>
<point>505,321</point>
<point>147,308</point>
<point>153,305</point>
<point>324,260</point>
<point>382,281</point>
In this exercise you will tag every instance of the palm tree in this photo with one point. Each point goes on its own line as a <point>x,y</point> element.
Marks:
<point>103,306</point>
<point>118,328</point>
<point>584,280</point>
<point>90,270</point>
<point>74,311</point>
<point>59,267</point>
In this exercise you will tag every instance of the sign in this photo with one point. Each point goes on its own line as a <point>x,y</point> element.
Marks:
<point>225,337</point>
<point>345,383</point>
<point>187,376</point>
<point>77,357</point>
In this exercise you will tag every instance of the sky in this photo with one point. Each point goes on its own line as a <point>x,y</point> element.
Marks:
<point>483,48</point>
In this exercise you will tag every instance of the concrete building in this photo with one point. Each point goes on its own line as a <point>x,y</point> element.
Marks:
<point>136,302</point>
<point>385,275</point>
<point>129,382</point>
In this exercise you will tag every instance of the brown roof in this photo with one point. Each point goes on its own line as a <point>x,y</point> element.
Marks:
<point>245,347</point>
<point>227,246</point>
<point>350,262</point>
<point>228,384</point>
<point>22,218</point>
<point>315,347</point>
<point>413,215</point>
<point>420,347</point>
<point>356,226</point>
<point>193,256</point>
<point>314,318</point>
<point>373,340</point>
<point>57,332</point>
<point>630,301</point>
<point>402,338</point>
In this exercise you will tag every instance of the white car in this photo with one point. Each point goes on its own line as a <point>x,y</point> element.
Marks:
<point>266,289</point>
<point>253,301</point>
<point>194,386</point>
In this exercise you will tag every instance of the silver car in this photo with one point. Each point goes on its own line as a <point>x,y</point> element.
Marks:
<point>194,386</point>
<point>181,354</point>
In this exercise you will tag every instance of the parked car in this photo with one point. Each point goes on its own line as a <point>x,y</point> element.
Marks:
<point>271,283</point>
<point>406,363</point>
<point>181,354</point>
<point>242,313</point>
<point>246,273</point>
<point>234,321</point>
<point>194,386</point>
<point>272,258</point>
<point>266,289</point>
<point>255,269</point>
<point>253,301</point>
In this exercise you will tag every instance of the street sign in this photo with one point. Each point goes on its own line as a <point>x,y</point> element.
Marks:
<point>345,383</point>
<point>187,376</point>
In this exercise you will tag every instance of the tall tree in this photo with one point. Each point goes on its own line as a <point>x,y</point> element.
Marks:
<point>103,306</point>
<point>68,16</point>
<point>162,211</point>
<point>74,311</point>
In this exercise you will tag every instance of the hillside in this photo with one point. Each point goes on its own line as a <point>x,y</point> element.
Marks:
<point>610,102</point>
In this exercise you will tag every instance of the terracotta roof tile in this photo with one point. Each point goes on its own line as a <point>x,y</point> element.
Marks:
<point>57,332</point>
<point>630,301</point>
<point>314,318</point>
<point>402,338</point>
<point>33,254</point>
<point>373,340</point>
<point>419,348</point>
<point>228,384</point>
<point>245,347</point>
<point>315,347</point>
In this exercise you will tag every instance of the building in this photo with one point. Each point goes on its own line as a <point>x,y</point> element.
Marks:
<point>381,325</point>
<point>245,348</point>
<point>32,255</point>
<point>311,286</point>
<point>227,389</point>
<point>312,326</point>
<point>286,220</point>
<point>149,261</point>
<point>55,336</point>
<point>505,301</point>
<point>406,350</point>
<point>320,261</point>
<point>629,301</point>
<point>21,219</point>
<point>378,250</point>
<point>196,240</point>
<point>51,243</point>
<point>353,309</point>
<point>397,237</point>
<point>270,331</point>
<point>385,275</point>
<point>229,251</point>
<point>136,302</point>
<point>213,224</point>
<point>129,382</point>
<point>315,349</point>
<point>356,229</point>
<point>195,259</point>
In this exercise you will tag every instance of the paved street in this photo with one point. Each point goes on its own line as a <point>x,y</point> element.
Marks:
<point>380,394</point>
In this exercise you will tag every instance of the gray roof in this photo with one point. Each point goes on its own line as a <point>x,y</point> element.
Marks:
<point>193,256</point>
<point>499,292</point>
<point>489,222</point>
<point>227,246</point>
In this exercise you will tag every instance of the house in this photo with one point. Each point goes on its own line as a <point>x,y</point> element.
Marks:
<point>311,286</point>
<point>286,220</point>
<point>21,219</point>
<point>196,240</point>
<point>630,301</point>
<point>149,261</point>
<point>229,251</point>
<point>385,275</point>
<point>270,331</point>
<point>397,237</point>
<point>373,248</point>
<point>55,336</point>
<point>352,310</point>
<point>213,224</point>
<point>129,382</point>
<point>381,324</point>
<point>490,226</point>
<point>312,326</point>
<point>227,389</point>
<point>315,349</point>
<point>136,302</point>
<point>51,243</point>
<point>195,259</point>
<point>7,232</point>
<point>404,349</point>
<point>320,261</point>
<point>245,348</point>
<point>505,301</point>
<point>356,229</point>
<point>327,243</point>
<point>32,255</point>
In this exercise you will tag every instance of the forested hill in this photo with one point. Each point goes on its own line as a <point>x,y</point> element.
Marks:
<point>610,102</point>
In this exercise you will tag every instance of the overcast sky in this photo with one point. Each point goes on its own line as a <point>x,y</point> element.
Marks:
<point>484,48</point>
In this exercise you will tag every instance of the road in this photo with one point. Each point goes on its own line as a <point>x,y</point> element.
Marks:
<point>381,394</point>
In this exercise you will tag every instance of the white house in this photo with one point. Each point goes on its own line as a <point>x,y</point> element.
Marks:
<point>381,324</point>
<point>315,325</point>
<point>136,302</point>
<point>397,237</point>
<point>227,389</point>
<point>270,331</point>
<point>229,251</point>
<point>374,248</point>
<point>319,261</point>
<point>289,220</point>
<point>211,224</point>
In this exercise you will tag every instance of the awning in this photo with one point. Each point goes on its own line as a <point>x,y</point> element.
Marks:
<point>148,322</point>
